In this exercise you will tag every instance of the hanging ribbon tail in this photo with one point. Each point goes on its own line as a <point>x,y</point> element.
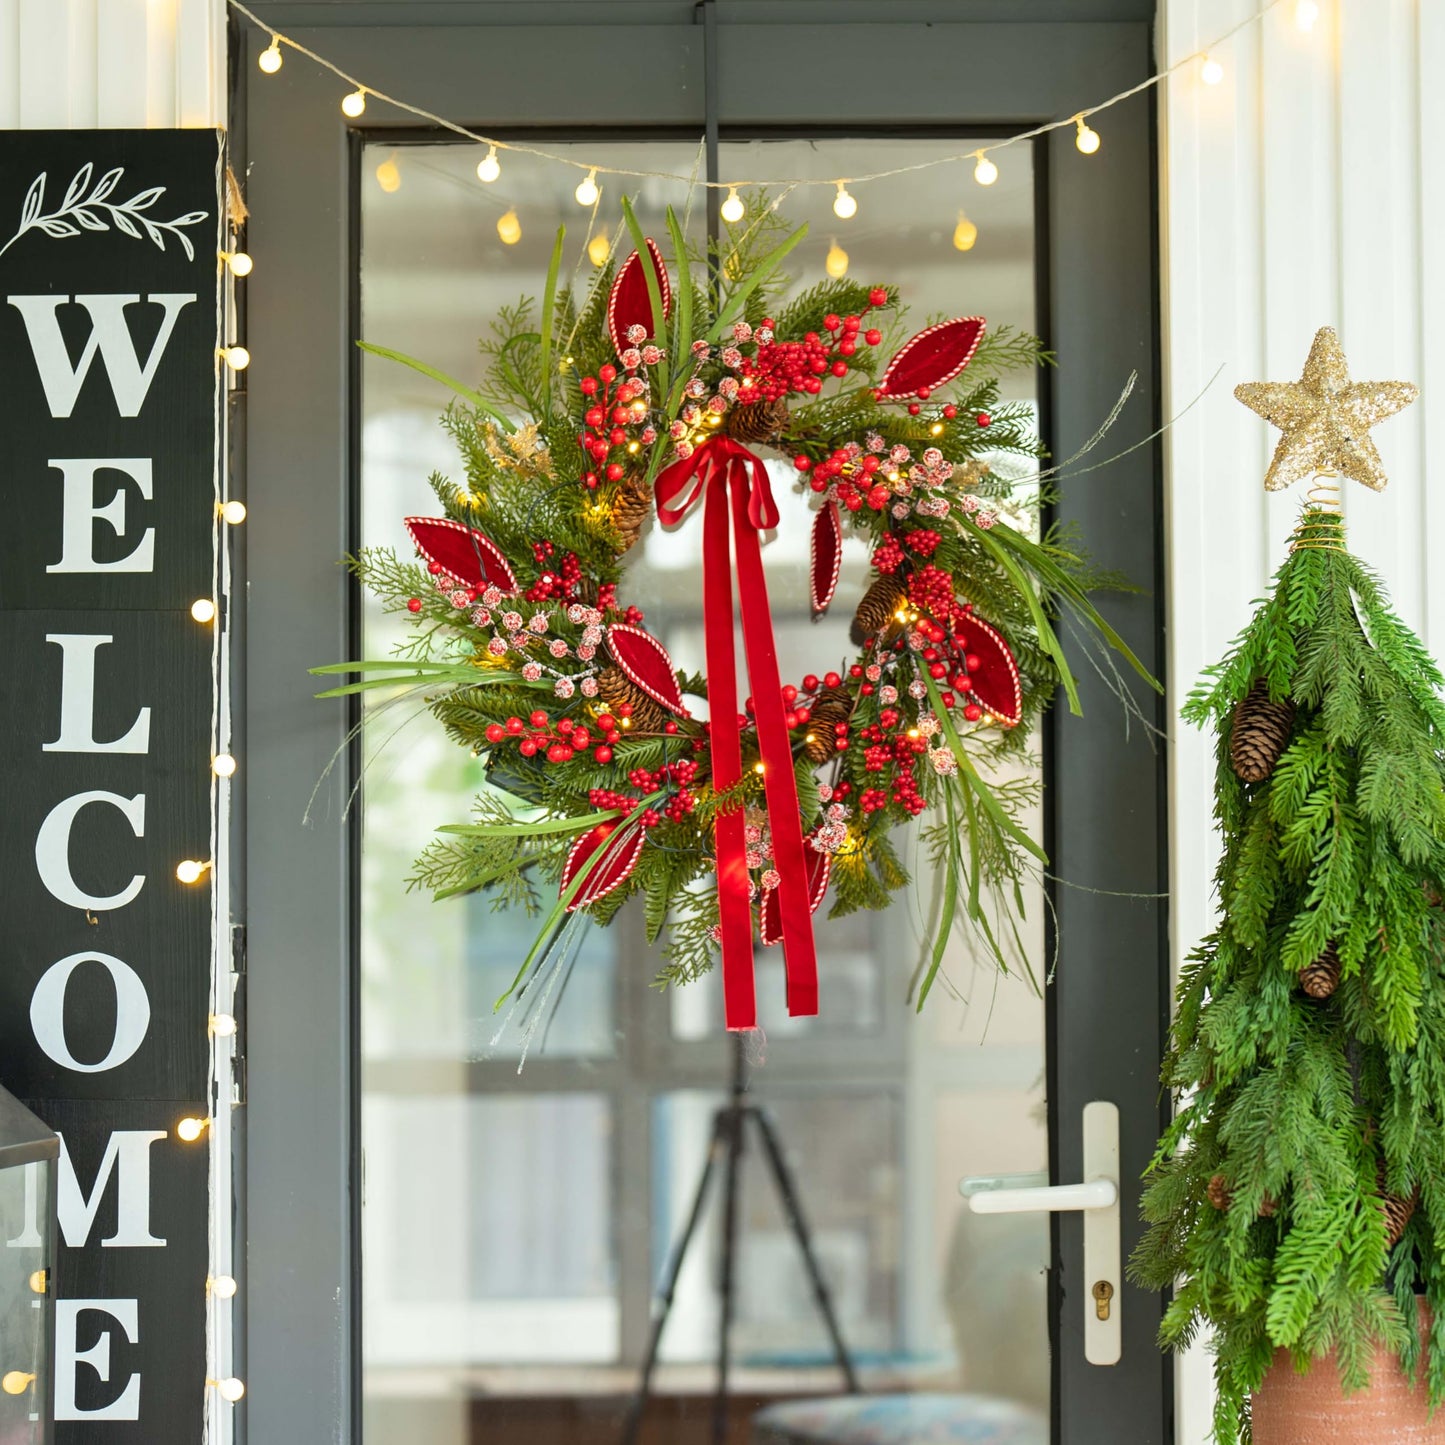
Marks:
<point>733,485</point>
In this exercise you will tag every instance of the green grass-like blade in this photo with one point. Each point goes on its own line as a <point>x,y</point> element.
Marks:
<point>450,382</point>
<point>765,268</point>
<point>549,305</point>
<point>525,829</point>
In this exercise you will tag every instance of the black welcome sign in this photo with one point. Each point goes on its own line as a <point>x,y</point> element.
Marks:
<point>109,312</point>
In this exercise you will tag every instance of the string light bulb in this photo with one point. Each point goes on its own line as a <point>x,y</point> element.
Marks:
<point>388,175</point>
<point>352,105</point>
<point>191,870</point>
<point>203,609</point>
<point>223,1026</point>
<point>1306,12</point>
<point>964,234</point>
<point>985,172</point>
<point>230,1389</point>
<point>223,1286</point>
<point>1211,72</point>
<point>190,1128</point>
<point>236,357</point>
<point>845,204</point>
<point>16,1382</point>
<point>270,58</point>
<point>836,261</point>
<point>587,191</point>
<point>732,208</point>
<point>489,167</point>
<point>509,228</point>
<point>39,1281</point>
<point>1087,138</point>
<point>233,513</point>
<point>599,248</point>
<point>223,765</point>
<point>238,262</point>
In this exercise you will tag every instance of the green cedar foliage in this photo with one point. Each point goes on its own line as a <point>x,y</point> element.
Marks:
<point>1312,1111</point>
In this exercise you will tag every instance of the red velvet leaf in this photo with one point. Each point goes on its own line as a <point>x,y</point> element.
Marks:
<point>611,870</point>
<point>996,681</point>
<point>817,866</point>
<point>465,556</point>
<point>933,357</point>
<point>645,661</point>
<point>629,304</point>
<point>827,555</point>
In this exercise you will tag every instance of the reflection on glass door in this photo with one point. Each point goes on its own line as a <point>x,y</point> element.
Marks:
<point>516,1223</point>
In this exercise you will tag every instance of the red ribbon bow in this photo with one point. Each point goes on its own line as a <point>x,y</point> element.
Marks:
<point>733,480</point>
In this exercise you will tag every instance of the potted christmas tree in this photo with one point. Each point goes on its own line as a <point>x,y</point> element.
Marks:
<point>1297,1202</point>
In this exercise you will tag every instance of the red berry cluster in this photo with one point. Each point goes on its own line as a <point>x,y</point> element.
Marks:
<point>886,747</point>
<point>560,584</point>
<point>781,367</point>
<point>888,555</point>
<point>557,742</point>
<point>679,805</point>
<point>606,800</point>
<point>605,426</point>
<point>924,541</point>
<point>930,589</point>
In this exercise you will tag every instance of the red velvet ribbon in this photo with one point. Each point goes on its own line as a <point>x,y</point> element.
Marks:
<point>735,482</point>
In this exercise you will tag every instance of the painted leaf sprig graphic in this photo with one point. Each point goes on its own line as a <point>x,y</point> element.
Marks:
<point>87,208</point>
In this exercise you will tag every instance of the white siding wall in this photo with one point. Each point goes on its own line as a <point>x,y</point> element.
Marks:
<point>1294,196</point>
<point>81,63</point>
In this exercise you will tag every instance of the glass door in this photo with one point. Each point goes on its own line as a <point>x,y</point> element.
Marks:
<point>444,1250</point>
<point>555,1191</point>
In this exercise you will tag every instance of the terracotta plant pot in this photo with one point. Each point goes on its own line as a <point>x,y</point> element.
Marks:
<point>1312,1409</point>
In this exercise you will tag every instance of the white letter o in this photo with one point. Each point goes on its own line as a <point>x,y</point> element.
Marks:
<point>132,1012</point>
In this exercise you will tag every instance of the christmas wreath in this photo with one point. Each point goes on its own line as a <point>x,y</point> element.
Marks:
<point>651,395</point>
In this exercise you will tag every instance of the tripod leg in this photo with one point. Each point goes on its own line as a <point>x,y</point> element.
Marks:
<point>733,1126</point>
<point>792,1207</point>
<point>662,1303</point>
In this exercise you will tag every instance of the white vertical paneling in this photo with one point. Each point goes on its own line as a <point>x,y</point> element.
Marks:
<point>81,63</point>
<point>1296,194</point>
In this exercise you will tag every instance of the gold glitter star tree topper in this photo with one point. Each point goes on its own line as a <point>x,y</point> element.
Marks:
<point>1326,418</point>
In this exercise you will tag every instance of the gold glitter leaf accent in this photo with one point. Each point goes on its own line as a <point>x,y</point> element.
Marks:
<point>1326,418</point>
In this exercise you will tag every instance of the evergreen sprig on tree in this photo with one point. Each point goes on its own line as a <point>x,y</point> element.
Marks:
<point>1298,1199</point>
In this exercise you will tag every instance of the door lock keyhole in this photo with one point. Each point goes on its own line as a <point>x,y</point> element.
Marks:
<point>1103,1295</point>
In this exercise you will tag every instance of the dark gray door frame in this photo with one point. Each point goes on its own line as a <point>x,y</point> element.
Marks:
<point>1106,800</point>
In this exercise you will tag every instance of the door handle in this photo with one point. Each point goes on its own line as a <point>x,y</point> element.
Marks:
<point>1097,1197</point>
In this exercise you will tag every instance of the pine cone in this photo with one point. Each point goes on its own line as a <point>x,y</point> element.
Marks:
<point>880,602</point>
<point>614,687</point>
<point>1259,733</point>
<point>757,421</point>
<point>1322,977</point>
<point>1219,1192</point>
<point>631,508</point>
<point>832,706</point>
<point>585,590</point>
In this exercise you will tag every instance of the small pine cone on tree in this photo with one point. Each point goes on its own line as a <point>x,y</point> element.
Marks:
<point>1398,1212</point>
<point>585,590</point>
<point>1259,733</point>
<point>1219,1192</point>
<point>832,706</point>
<point>757,421</point>
<point>614,687</point>
<point>1322,977</point>
<point>875,611</point>
<point>631,508</point>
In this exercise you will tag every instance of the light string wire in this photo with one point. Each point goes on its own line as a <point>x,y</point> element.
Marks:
<point>976,154</point>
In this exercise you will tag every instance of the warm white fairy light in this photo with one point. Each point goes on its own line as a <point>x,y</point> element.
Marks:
<point>223,1026</point>
<point>965,234</point>
<point>1211,72</point>
<point>353,104</point>
<point>223,765</point>
<point>587,191</point>
<point>236,357</point>
<point>1087,138</point>
<point>191,870</point>
<point>190,1129</point>
<point>599,248</point>
<point>270,58</point>
<point>835,263</point>
<point>223,1286</point>
<point>16,1382</point>
<point>489,167</point>
<point>203,609</point>
<point>233,513</point>
<point>985,172</point>
<point>732,208</point>
<point>230,1388</point>
<point>238,262</point>
<point>845,204</point>
<point>388,175</point>
<point>509,228</point>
